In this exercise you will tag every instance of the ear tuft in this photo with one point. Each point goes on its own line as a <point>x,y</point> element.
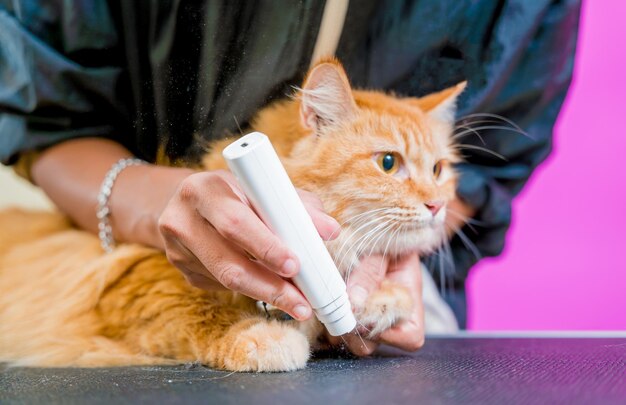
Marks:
<point>440,105</point>
<point>326,97</point>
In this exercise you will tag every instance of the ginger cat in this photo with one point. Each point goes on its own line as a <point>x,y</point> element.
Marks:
<point>382,165</point>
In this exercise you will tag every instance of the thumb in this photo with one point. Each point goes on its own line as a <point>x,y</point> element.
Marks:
<point>365,278</point>
<point>327,226</point>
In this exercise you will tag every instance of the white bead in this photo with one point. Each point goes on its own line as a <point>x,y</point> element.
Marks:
<point>103,211</point>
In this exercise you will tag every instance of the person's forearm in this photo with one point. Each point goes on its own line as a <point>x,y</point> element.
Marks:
<point>71,174</point>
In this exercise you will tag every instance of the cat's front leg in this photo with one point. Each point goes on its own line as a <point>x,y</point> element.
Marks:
<point>258,344</point>
<point>384,308</point>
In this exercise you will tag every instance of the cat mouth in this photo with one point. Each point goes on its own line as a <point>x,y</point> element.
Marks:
<point>389,237</point>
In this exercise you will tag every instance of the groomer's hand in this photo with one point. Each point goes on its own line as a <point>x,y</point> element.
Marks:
<point>201,220</point>
<point>365,279</point>
<point>211,233</point>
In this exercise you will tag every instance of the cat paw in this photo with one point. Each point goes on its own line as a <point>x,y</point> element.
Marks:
<point>267,347</point>
<point>384,308</point>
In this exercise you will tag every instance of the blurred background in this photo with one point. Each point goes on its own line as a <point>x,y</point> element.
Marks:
<point>560,269</point>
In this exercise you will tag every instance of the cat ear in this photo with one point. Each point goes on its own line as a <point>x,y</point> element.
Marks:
<point>326,97</point>
<point>440,105</point>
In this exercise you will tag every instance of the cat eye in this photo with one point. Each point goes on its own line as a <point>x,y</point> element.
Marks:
<point>437,169</point>
<point>388,162</point>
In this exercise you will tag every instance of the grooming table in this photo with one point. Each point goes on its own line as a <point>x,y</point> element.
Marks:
<point>464,369</point>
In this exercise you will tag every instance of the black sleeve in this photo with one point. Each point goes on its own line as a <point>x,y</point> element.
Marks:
<point>60,74</point>
<point>528,90</point>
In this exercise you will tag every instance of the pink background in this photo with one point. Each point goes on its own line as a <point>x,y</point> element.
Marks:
<point>564,266</point>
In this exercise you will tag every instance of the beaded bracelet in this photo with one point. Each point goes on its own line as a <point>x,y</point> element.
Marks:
<point>103,212</point>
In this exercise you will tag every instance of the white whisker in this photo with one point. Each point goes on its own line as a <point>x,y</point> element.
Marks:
<point>485,127</point>
<point>343,255</point>
<point>466,220</point>
<point>468,131</point>
<point>490,115</point>
<point>489,151</point>
<point>359,216</point>
<point>365,238</point>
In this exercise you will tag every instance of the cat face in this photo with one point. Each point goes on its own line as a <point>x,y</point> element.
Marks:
<point>381,164</point>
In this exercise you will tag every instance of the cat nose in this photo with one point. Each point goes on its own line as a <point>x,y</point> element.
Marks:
<point>434,206</point>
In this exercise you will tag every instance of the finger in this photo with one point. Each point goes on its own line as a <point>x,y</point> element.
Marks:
<point>358,345</point>
<point>366,278</point>
<point>256,282</point>
<point>407,271</point>
<point>226,263</point>
<point>354,343</point>
<point>407,335</point>
<point>236,272</point>
<point>202,282</point>
<point>192,269</point>
<point>238,223</point>
<point>326,226</point>
<point>310,199</point>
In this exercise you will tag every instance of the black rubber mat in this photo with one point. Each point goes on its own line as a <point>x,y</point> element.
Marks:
<point>447,371</point>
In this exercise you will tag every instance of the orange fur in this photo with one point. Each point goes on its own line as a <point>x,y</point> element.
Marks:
<point>65,303</point>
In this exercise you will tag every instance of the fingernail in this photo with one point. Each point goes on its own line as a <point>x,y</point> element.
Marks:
<point>333,227</point>
<point>289,267</point>
<point>301,312</point>
<point>358,295</point>
<point>332,221</point>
